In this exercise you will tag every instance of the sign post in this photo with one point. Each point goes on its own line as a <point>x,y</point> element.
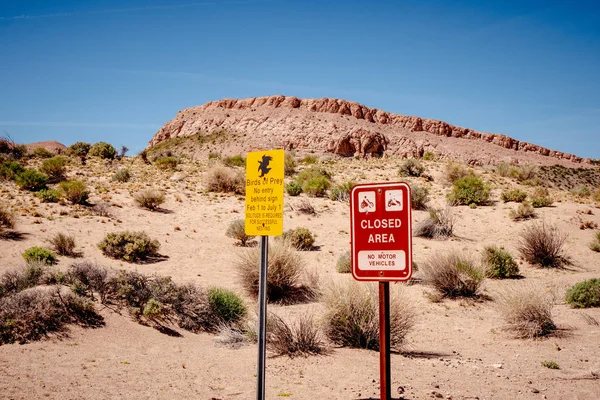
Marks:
<point>264,218</point>
<point>381,240</point>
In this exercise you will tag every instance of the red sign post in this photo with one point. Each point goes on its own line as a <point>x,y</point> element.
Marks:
<point>381,239</point>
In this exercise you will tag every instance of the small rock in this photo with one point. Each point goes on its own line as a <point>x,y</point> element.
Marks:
<point>498,366</point>
<point>534,390</point>
<point>400,390</point>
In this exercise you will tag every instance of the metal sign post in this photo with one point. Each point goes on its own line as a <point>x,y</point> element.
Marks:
<point>385,376</point>
<point>262,317</point>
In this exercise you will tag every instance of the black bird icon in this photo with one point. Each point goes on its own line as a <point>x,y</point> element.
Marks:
<point>264,165</point>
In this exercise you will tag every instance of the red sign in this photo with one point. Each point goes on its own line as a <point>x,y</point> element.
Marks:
<point>381,236</point>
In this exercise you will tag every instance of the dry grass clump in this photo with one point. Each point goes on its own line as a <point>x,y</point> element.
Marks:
<point>455,170</point>
<point>150,199</point>
<point>226,180</point>
<point>287,280</point>
<point>453,274</point>
<point>541,198</point>
<point>515,195</point>
<point>7,219</point>
<point>522,212</point>
<point>542,244</point>
<point>301,238</point>
<point>344,263</point>
<point>527,311</point>
<point>302,337</point>
<point>64,244</point>
<point>411,167</point>
<point>595,244</point>
<point>304,206</point>
<point>129,246</point>
<point>32,274</point>
<point>87,278</point>
<point>439,225</point>
<point>419,197</point>
<point>352,315</point>
<point>237,230</point>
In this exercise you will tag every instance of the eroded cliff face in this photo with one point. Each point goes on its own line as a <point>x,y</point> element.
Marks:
<point>346,128</point>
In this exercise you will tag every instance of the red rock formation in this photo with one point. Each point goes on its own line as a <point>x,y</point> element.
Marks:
<point>284,121</point>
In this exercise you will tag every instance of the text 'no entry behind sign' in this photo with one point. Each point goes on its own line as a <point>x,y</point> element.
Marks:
<point>381,223</point>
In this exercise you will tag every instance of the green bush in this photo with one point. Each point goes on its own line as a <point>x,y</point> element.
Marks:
<point>39,254</point>
<point>581,191</point>
<point>235,161</point>
<point>499,263</point>
<point>10,169</point>
<point>344,263</point>
<point>419,196</point>
<point>31,180</point>
<point>317,186</point>
<point>55,168</point>
<point>103,150</point>
<point>226,305</point>
<point>312,172</point>
<point>455,171</point>
<point>300,238</point>
<point>79,149</point>
<point>469,190</point>
<point>293,188</point>
<point>428,156</point>
<point>48,195</point>
<point>166,163</point>
<point>341,192</point>
<point>237,230</point>
<point>516,195</point>
<point>584,294</point>
<point>411,167</point>
<point>41,152</point>
<point>74,191</point>
<point>289,164</point>
<point>123,175</point>
<point>540,198</point>
<point>129,246</point>
<point>309,160</point>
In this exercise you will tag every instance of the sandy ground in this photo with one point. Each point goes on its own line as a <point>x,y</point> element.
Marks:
<point>457,348</point>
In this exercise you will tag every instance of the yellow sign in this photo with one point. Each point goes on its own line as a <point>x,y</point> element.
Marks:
<point>264,193</point>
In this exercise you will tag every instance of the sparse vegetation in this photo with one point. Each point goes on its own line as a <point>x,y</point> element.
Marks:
<point>226,305</point>
<point>293,188</point>
<point>39,254</point>
<point>439,225</point>
<point>31,180</point>
<point>455,170</point>
<point>63,244</point>
<point>10,169</point>
<point>352,315</point>
<point>344,263</point>
<point>289,164</point>
<point>540,198</point>
<point>102,150</point>
<point>129,246</point>
<point>304,206</point>
<point>235,161</point>
<point>79,149</point>
<point>550,365</point>
<point>584,294</point>
<point>499,263</point>
<point>123,175</point>
<point>54,168</point>
<point>341,192</point>
<point>48,195</point>
<point>594,245</point>
<point>309,160</point>
<point>516,195</point>
<point>469,190</point>
<point>150,199</point>
<point>225,179</point>
<point>237,230</point>
<point>453,274</point>
<point>527,311</point>
<point>314,181</point>
<point>302,337</point>
<point>74,191</point>
<point>411,167</point>
<point>522,212</point>
<point>166,162</point>
<point>7,218</point>
<point>419,196</point>
<point>40,152</point>
<point>300,238</point>
<point>542,245</point>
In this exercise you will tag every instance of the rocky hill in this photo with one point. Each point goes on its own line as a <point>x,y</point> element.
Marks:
<point>344,128</point>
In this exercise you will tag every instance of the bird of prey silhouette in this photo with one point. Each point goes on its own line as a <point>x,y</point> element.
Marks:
<point>264,165</point>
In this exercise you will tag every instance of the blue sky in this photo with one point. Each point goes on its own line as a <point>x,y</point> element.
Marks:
<point>118,70</point>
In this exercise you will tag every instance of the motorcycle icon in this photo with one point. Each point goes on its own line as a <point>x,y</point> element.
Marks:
<point>366,203</point>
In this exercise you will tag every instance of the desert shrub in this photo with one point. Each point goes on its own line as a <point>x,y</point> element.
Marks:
<point>237,230</point>
<point>304,206</point>
<point>39,254</point>
<point>540,198</point>
<point>32,180</point>
<point>503,169</point>
<point>214,155</point>
<point>439,224</point>
<point>352,315</point>
<point>54,168</point>
<point>411,167</point>
<point>10,169</point>
<point>515,195</point>
<point>234,161</point>
<point>225,179</point>
<point>302,337</point>
<point>293,188</point>
<point>300,238</point>
<point>524,172</point>
<point>317,186</point>
<point>30,275</point>
<point>584,294</point>
<point>428,156</point>
<point>129,246</point>
<point>542,244</point>
<point>419,196</point>
<point>123,175</point>
<point>41,152</point>
<point>102,150</point>
<point>312,172</point>
<point>550,364</point>
<point>455,171</point>
<point>150,199</point>
<point>74,191</point>
<point>522,212</point>
<point>469,190</point>
<point>87,278</point>
<point>527,311</point>
<point>226,305</point>
<point>11,149</point>
<point>581,191</point>
<point>79,149</point>
<point>48,195</point>
<point>344,263</point>
<point>192,309</point>
<point>286,274</point>
<point>289,164</point>
<point>166,162</point>
<point>7,218</point>
<point>34,313</point>
<point>453,274</point>
<point>594,245</point>
<point>64,244</point>
<point>309,160</point>
<point>341,192</point>
<point>596,195</point>
<point>499,263</point>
